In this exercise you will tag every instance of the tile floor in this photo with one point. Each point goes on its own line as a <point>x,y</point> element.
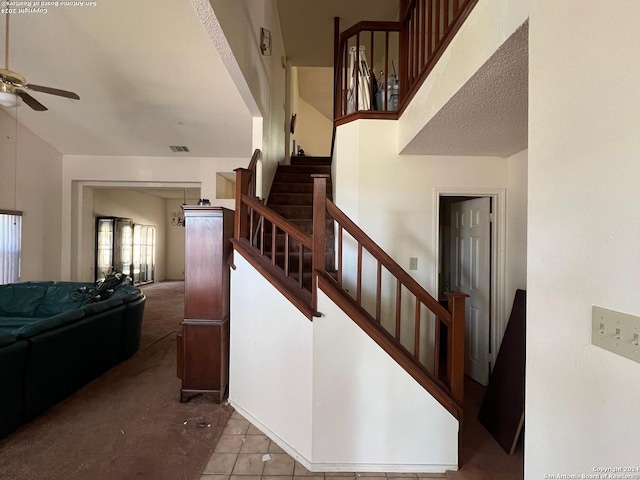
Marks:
<point>239,452</point>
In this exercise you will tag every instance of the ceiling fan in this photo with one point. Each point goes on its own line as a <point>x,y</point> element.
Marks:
<point>12,84</point>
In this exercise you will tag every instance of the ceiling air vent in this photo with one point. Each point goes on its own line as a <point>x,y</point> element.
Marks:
<point>178,148</point>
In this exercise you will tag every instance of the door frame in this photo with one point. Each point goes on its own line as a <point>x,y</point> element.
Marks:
<point>498,253</point>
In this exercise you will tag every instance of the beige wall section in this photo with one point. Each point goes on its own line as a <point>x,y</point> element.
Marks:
<point>393,197</point>
<point>142,208</point>
<point>490,23</point>
<point>80,172</point>
<point>516,225</point>
<point>241,21</point>
<point>583,230</point>
<point>313,131</point>
<point>38,195</point>
<point>175,240</point>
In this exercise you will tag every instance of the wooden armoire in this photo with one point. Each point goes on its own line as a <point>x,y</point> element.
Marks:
<point>203,344</point>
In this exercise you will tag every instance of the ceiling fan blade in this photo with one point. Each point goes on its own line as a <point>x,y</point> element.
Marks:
<point>32,102</point>
<point>52,91</point>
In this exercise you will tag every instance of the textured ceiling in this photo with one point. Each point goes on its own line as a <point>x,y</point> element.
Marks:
<point>488,115</point>
<point>147,73</point>
<point>307,25</point>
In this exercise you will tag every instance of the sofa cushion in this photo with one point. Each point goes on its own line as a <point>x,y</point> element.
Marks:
<point>16,321</point>
<point>6,339</point>
<point>48,324</point>
<point>62,296</point>
<point>21,299</point>
<point>97,307</point>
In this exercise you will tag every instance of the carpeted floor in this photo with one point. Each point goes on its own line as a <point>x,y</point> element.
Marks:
<point>128,423</point>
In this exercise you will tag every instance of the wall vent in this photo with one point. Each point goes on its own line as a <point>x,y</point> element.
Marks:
<point>178,148</point>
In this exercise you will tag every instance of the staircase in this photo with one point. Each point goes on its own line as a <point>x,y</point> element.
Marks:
<point>292,197</point>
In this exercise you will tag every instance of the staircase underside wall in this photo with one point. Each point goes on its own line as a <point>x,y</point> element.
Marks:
<point>325,392</point>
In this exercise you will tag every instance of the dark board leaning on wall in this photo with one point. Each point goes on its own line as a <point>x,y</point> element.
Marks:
<point>502,410</point>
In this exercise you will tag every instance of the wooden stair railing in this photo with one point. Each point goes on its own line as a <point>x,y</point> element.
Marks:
<point>440,371</point>
<point>425,29</point>
<point>253,173</point>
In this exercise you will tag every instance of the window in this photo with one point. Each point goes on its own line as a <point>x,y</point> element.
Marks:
<point>144,252</point>
<point>10,241</point>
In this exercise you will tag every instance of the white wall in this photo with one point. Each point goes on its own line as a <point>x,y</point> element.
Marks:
<point>490,23</point>
<point>584,111</point>
<point>80,172</point>
<point>241,21</point>
<point>516,226</point>
<point>38,195</point>
<point>325,392</point>
<point>393,199</point>
<point>271,370</point>
<point>143,209</point>
<point>368,413</point>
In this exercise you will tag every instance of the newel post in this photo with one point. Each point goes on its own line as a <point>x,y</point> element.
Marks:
<point>319,234</point>
<point>455,358</point>
<point>242,188</point>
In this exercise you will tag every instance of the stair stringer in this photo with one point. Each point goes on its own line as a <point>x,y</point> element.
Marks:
<point>325,392</point>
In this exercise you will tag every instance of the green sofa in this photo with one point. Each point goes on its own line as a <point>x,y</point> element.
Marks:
<point>53,340</point>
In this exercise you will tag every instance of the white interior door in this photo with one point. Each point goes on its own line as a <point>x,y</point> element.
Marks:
<point>471,274</point>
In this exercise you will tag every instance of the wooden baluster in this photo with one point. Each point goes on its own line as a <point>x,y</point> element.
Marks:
<point>242,188</point>
<point>398,308</point>
<point>300,259</point>
<point>339,254</point>
<point>372,76</point>
<point>273,243</point>
<point>436,349</point>
<point>262,235</point>
<point>359,276</point>
<point>455,351</point>
<point>445,21</point>
<point>286,254</point>
<point>336,65</point>
<point>429,29</point>
<point>456,7</point>
<point>318,253</point>
<point>437,29</point>
<point>251,211</point>
<point>379,292</point>
<point>423,33</point>
<point>356,72</point>
<point>416,335</point>
<point>385,95</point>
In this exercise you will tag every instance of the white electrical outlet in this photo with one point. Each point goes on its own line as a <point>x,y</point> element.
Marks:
<point>617,332</point>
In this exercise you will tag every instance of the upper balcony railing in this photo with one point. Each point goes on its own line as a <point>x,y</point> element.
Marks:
<point>380,65</point>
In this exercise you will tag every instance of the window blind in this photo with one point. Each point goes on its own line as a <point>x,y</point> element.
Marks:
<point>10,241</point>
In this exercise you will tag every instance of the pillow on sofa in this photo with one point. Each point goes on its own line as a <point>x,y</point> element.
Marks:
<point>21,300</point>
<point>61,297</point>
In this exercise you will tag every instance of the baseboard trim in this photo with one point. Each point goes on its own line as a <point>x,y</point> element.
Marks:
<point>341,467</point>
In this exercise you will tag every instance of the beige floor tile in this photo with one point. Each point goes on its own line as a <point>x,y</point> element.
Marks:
<point>431,475</point>
<point>229,444</point>
<point>255,444</point>
<point>301,471</point>
<point>370,474</point>
<point>316,476</point>
<point>221,463</point>
<point>246,477</point>
<point>249,464</point>
<point>405,476</point>
<point>214,477</point>
<point>253,430</point>
<point>366,476</point>
<point>340,474</point>
<point>237,416</point>
<point>280,464</point>
<point>277,477</point>
<point>236,427</point>
<point>275,448</point>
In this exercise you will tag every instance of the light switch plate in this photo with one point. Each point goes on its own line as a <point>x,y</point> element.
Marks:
<point>413,263</point>
<point>617,332</point>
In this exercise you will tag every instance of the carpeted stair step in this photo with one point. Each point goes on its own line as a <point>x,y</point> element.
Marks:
<point>290,199</point>
<point>308,169</point>
<point>290,187</point>
<point>304,160</point>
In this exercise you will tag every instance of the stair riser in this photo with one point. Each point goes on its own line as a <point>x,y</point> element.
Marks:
<point>295,178</point>
<point>306,169</point>
<point>290,199</point>
<point>310,160</point>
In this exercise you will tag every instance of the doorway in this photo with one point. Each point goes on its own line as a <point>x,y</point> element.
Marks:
<point>470,229</point>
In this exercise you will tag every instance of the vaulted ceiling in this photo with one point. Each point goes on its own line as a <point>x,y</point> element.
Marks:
<point>147,74</point>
